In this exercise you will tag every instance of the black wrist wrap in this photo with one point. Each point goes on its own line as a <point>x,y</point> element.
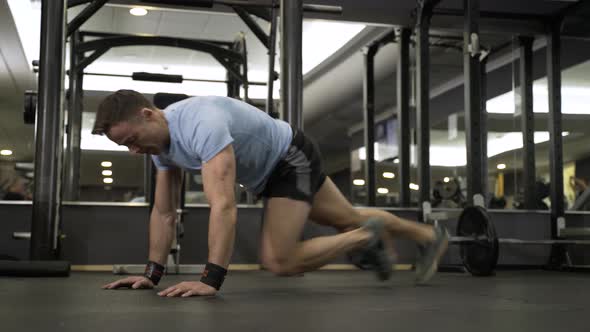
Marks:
<point>213,275</point>
<point>154,272</point>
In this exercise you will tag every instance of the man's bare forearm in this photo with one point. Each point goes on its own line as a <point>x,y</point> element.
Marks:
<point>162,228</point>
<point>222,232</point>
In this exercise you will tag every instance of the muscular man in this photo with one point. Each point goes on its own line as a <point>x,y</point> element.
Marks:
<point>232,142</point>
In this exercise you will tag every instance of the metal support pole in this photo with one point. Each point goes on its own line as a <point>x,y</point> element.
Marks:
<point>484,129</point>
<point>272,41</point>
<point>74,126</point>
<point>369,122</point>
<point>423,99</point>
<point>555,139</point>
<point>291,70</point>
<point>149,180</point>
<point>528,120</point>
<point>403,116</point>
<point>48,146</point>
<point>472,75</point>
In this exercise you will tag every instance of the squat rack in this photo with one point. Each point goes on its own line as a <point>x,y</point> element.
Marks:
<point>45,228</point>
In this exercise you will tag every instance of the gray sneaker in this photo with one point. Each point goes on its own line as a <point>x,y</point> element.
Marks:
<point>374,252</point>
<point>427,263</point>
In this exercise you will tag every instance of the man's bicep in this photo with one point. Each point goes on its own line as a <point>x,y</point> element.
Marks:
<point>219,176</point>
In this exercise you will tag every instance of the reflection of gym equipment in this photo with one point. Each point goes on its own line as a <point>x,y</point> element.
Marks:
<point>447,194</point>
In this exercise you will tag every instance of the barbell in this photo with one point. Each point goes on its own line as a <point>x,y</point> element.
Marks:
<point>479,243</point>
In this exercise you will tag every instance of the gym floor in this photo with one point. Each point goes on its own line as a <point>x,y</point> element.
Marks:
<point>319,301</point>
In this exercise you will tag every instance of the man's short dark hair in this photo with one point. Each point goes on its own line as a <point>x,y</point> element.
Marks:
<point>120,106</point>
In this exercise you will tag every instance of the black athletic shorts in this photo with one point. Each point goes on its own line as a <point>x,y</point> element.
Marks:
<point>299,174</point>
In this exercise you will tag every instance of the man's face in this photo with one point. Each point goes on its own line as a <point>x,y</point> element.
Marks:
<point>139,135</point>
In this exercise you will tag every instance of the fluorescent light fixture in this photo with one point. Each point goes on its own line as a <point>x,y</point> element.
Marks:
<point>414,186</point>
<point>107,180</point>
<point>388,175</point>
<point>107,172</point>
<point>383,191</point>
<point>501,166</point>
<point>446,179</point>
<point>6,152</point>
<point>454,154</point>
<point>363,152</point>
<point>106,164</point>
<point>138,11</point>
<point>358,182</point>
<point>574,99</point>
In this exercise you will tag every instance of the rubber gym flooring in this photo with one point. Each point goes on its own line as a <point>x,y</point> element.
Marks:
<point>319,301</point>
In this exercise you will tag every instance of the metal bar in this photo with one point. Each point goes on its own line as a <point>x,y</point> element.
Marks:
<point>369,121</point>
<point>90,59</point>
<point>472,77</point>
<point>403,116</point>
<point>151,77</point>
<point>48,147</point>
<point>74,126</point>
<point>528,120</point>
<point>262,13</point>
<point>423,98</point>
<point>95,34</point>
<point>74,3</point>
<point>387,38</point>
<point>147,170</point>
<point>467,239</point>
<point>291,67</point>
<point>232,69</point>
<point>306,7</point>
<point>555,138</point>
<point>272,42</point>
<point>190,44</point>
<point>494,15</point>
<point>324,9</point>
<point>184,79</point>
<point>483,125</point>
<point>244,68</point>
<point>254,27</point>
<point>84,15</point>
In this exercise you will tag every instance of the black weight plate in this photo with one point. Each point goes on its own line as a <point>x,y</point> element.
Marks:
<point>481,256</point>
<point>30,108</point>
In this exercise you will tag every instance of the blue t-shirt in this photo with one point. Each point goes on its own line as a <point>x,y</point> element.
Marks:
<point>200,127</point>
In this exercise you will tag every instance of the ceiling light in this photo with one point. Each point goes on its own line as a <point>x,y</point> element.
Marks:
<point>107,180</point>
<point>501,166</point>
<point>138,11</point>
<point>396,161</point>
<point>446,179</point>
<point>382,190</point>
<point>106,164</point>
<point>388,175</point>
<point>6,152</point>
<point>358,182</point>
<point>414,186</point>
<point>107,172</point>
